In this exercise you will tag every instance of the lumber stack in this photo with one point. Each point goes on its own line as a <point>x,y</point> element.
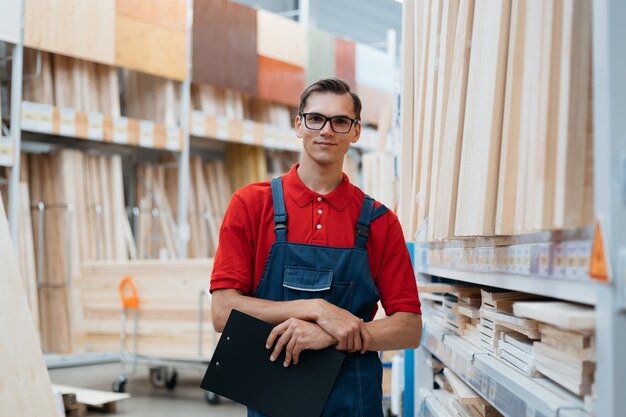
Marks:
<point>455,401</point>
<point>168,314</point>
<point>246,164</point>
<point>21,359</point>
<point>148,97</point>
<point>566,352</point>
<point>500,134</point>
<point>157,198</point>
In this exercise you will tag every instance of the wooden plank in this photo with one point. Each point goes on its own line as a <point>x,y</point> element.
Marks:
<point>225,45</point>
<point>279,81</point>
<point>91,397</point>
<point>466,395</point>
<point>26,255</point>
<point>21,361</point>
<point>480,155</point>
<point>72,27</point>
<point>574,106</point>
<point>565,315</point>
<point>345,60</point>
<point>281,39</point>
<point>321,56</point>
<point>509,154</point>
<point>150,48</point>
<point>407,99</point>
<point>167,13</point>
<point>449,17</point>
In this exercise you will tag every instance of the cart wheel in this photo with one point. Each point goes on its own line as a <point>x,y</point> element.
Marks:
<point>119,385</point>
<point>212,398</point>
<point>172,380</point>
<point>157,377</point>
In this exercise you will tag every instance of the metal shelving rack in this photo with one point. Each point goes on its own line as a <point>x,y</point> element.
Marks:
<point>609,299</point>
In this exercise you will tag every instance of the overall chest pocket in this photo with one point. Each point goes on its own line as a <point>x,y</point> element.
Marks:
<point>306,283</point>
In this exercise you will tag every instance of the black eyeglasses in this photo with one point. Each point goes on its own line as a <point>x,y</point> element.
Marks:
<point>339,124</point>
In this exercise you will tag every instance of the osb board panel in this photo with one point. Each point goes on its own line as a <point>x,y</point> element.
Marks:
<point>168,13</point>
<point>321,61</point>
<point>78,28</point>
<point>280,38</point>
<point>150,48</point>
<point>374,102</point>
<point>9,29</point>
<point>225,45</point>
<point>374,68</point>
<point>345,61</point>
<point>24,372</point>
<point>279,81</point>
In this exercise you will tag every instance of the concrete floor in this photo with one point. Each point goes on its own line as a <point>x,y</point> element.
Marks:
<point>187,399</point>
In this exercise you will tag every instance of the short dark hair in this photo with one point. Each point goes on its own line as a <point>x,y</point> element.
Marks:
<point>330,85</point>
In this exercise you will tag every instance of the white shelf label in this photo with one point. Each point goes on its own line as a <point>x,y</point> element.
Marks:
<point>172,142</point>
<point>248,132</point>
<point>197,123</point>
<point>67,122</point>
<point>120,130</point>
<point>37,117</point>
<point>6,152</point>
<point>146,134</point>
<point>222,128</point>
<point>95,126</point>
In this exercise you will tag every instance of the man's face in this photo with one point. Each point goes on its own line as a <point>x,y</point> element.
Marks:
<point>325,146</point>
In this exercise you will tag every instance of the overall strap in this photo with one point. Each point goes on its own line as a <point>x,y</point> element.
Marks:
<point>368,215</point>
<point>280,214</point>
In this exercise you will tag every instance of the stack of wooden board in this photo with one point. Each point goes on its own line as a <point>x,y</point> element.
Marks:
<point>25,377</point>
<point>169,294</point>
<point>246,164</point>
<point>566,353</point>
<point>152,98</point>
<point>500,125</point>
<point>469,403</point>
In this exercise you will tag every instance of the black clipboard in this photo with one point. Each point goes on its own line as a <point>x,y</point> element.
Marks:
<point>241,370</point>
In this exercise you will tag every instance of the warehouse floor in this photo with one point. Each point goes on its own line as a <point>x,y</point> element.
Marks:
<point>146,401</point>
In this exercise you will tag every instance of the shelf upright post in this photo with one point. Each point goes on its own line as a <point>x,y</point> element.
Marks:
<point>16,127</point>
<point>183,159</point>
<point>609,135</point>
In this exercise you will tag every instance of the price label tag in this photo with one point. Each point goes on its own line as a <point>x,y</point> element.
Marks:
<point>95,126</point>
<point>45,118</point>
<point>484,384</point>
<point>492,390</point>
<point>146,134</point>
<point>120,130</point>
<point>29,116</point>
<point>6,152</point>
<point>248,132</point>
<point>197,123</point>
<point>172,141</point>
<point>67,122</point>
<point>37,117</point>
<point>222,128</point>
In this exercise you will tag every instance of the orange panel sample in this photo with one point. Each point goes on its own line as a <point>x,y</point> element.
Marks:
<point>279,81</point>
<point>345,63</point>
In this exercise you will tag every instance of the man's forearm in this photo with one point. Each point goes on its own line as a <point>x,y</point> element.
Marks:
<point>398,331</point>
<point>275,312</point>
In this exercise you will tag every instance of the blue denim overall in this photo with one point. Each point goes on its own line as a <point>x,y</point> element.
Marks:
<point>340,276</point>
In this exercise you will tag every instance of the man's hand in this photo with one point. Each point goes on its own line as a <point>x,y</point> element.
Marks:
<point>349,330</point>
<point>295,335</point>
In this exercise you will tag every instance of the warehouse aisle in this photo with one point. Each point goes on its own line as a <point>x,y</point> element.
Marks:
<point>146,401</point>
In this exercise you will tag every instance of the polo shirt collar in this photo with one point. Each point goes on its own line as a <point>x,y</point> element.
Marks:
<point>303,195</point>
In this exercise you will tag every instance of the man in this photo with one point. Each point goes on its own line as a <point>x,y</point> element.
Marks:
<point>313,255</point>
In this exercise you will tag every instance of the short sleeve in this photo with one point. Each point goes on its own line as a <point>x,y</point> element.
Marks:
<point>233,266</point>
<point>396,278</point>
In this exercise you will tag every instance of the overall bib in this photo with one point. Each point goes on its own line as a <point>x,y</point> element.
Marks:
<point>342,277</point>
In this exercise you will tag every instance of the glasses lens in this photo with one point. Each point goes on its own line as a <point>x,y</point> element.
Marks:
<point>314,121</point>
<point>341,124</point>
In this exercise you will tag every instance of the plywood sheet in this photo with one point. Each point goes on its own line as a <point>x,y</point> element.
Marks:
<point>82,29</point>
<point>375,68</point>
<point>24,374</point>
<point>10,12</point>
<point>345,61</point>
<point>280,82</point>
<point>321,56</point>
<point>225,45</point>
<point>480,156</point>
<point>509,153</point>
<point>171,14</point>
<point>448,174</point>
<point>281,38</point>
<point>561,314</point>
<point>150,48</point>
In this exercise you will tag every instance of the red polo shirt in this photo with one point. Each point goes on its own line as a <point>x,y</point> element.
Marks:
<point>247,233</point>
